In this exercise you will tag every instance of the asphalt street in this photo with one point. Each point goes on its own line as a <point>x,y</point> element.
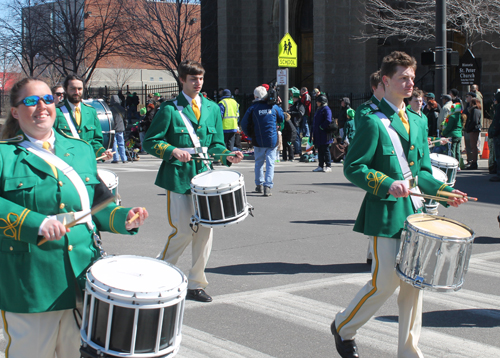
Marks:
<point>279,278</point>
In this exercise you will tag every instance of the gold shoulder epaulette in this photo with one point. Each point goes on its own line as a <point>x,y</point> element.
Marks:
<point>69,137</point>
<point>86,104</point>
<point>17,139</point>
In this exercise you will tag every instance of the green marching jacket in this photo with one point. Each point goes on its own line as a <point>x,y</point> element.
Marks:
<point>372,165</point>
<point>89,129</point>
<point>42,278</point>
<point>167,132</point>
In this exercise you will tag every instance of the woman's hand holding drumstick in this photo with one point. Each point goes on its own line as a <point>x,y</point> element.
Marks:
<point>136,218</point>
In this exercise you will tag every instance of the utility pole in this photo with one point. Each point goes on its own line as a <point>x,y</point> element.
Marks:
<point>283,32</point>
<point>440,80</point>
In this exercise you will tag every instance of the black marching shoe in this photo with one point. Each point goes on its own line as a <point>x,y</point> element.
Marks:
<point>346,349</point>
<point>472,166</point>
<point>198,295</point>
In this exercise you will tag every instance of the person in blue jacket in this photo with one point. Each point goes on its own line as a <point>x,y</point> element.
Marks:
<point>260,123</point>
<point>321,138</point>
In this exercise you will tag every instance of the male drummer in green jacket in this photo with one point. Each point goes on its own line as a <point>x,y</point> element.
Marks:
<point>372,164</point>
<point>378,93</point>
<point>168,138</point>
<point>79,120</point>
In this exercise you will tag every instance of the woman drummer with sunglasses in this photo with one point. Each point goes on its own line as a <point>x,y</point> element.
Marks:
<point>40,285</point>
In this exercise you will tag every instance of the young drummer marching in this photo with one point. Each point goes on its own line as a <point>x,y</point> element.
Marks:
<point>372,164</point>
<point>169,138</point>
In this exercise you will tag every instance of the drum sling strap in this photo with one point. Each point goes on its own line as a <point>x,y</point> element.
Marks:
<point>403,162</point>
<point>71,174</point>
<point>198,149</point>
<point>71,125</point>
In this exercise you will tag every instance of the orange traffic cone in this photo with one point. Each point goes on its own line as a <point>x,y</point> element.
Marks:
<point>486,150</point>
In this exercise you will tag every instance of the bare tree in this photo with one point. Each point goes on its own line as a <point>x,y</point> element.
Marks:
<point>163,32</point>
<point>21,34</point>
<point>414,20</point>
<point>82,33</point>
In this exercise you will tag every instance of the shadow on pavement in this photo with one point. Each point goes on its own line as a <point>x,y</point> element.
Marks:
<point>286,268</point>
<point>484,318</point>
<point>486,240</point>
<point>348,222</point>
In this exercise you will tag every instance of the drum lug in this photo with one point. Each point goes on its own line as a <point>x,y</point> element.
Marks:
<point>194,224</point>
<point>250,210</point>
<point>419,280</point>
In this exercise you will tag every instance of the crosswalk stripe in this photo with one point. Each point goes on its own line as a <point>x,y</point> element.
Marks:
<point>199,344</point>
<point>376,333</point>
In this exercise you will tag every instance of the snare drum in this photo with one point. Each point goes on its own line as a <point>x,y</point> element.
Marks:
<point>431,206</point>
<point>447,164</point>
<point>133,307</point>
<point>111,180</point>
<point>434,253</point>
<point>219,198</point>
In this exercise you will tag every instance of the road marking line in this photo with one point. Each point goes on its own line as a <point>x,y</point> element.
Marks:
<point>207,345</point>
<point>376,333</point>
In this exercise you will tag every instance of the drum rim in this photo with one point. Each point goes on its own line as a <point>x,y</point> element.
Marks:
<point>440,237</point>
<point>428,286</point>
<point>223,186</point>
<point>159,298</point>
<point>217,223</point>
<point>450,159</point>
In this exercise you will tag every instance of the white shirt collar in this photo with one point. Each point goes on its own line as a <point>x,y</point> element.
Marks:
<point>396,109</point>
<point>72,106</point>
<point>39,143</point>
<point>197,99</point>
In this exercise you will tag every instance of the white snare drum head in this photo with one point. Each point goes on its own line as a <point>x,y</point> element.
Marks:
<point>440,226</point>
<point>136,274</point>
<point>215,178</point>
<point>438,174</point>
<point>108,177</point>
<point>441,160</point>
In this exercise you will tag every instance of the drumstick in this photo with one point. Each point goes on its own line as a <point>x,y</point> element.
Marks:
<point>439,140</point>
<point>425,196</point>
<point>133,218</point>
<point>96,209</point>
<point>453,195</point>
<point>104,156</point>
<point>228,155</point>
<point>200,158</point>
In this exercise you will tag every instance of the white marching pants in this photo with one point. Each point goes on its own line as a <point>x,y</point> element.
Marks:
<point>179,212</point>
<point>41,335</point>
<point>374,294</point>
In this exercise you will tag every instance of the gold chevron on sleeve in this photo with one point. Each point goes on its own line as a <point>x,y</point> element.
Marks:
<point>375,180</point>
<point>160,149</point>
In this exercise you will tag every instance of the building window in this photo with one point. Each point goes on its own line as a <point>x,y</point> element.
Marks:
<point>160,79</point>
<point>151,78</point>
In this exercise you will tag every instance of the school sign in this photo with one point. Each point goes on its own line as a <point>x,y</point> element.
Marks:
<point>287,52</point>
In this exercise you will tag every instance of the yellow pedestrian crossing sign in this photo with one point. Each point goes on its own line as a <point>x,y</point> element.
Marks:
<point>287,52</point>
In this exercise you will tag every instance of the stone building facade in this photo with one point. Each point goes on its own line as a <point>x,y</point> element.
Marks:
<point>240,47</point>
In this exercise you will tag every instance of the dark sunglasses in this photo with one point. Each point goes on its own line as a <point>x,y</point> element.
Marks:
<point>33,100</point>
<point>59,94</point>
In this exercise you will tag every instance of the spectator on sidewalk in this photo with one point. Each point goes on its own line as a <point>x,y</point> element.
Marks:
<point>120,125</point>
<point>322,139</point>
<point>260,123</point>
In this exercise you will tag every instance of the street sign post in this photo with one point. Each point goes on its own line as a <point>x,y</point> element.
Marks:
<point>287,52</point>
<point>281,76</point>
